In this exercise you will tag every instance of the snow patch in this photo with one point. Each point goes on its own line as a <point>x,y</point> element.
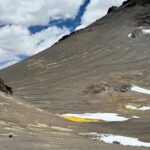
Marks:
<point>146,31</point>
<point>127,141</point>
<point>138,32</point>
<point>99,116</point>
<point>142,108</point>
<point>130,35</point>
<point>139,90</point>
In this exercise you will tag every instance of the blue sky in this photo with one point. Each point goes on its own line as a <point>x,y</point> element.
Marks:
<point>68,23</point>
<point>30,26</point>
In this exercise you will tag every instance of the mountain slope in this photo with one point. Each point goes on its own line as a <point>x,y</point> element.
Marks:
<point>100,50</point>
<point>93,70</point>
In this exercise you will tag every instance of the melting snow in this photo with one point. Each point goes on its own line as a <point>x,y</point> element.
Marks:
<point>142,108</point>
<point>138,31</point>
<point>146,31</point>
<point>127,141</point>
<point>130,35</point>
<point>140,90</point>
<point>99,116</point>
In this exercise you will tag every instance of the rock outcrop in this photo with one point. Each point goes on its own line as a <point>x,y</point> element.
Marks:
<point>4,88</point>
<point>111,9</point>
<point>131,3</point>
<point>111,84</point>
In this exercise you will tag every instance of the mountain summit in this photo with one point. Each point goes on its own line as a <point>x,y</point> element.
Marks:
<point>135,2</point>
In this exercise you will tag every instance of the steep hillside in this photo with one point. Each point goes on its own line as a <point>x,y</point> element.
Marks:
<point>34,129</point>
<point>59,74</point>
<point>102,69</point>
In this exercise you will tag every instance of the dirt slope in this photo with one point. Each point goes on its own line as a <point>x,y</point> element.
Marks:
<point>81,73</point>
<point>100,50</point>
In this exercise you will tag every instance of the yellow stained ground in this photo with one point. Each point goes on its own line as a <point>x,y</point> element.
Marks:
<point>77,119</point>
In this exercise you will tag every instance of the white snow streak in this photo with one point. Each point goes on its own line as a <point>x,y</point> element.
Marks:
<point>127,141</point>
<point>140,90</point>
<point>142,108</point>
<point>101,116</point>
<point>146,31</point>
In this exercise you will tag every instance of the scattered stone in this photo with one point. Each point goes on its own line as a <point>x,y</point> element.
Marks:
<point>123,89</point>
<point>116,142</point>
<point>109,84</point>
<point>136,33</point>
<point>94,89</point>
<point>11,135</point>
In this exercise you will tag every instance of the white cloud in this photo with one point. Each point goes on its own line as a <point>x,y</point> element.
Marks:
<point>37,12</point>
<point>6,58</point>
<point>97,9</point>
<point>48,37</point>
<point>17,40</point>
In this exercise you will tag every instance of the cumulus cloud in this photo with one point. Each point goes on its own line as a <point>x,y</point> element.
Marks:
<point>17,40</point>
<point>17,15</point>
<point>6,58</point>
<point>97,9</point>
<point>37,12</point>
